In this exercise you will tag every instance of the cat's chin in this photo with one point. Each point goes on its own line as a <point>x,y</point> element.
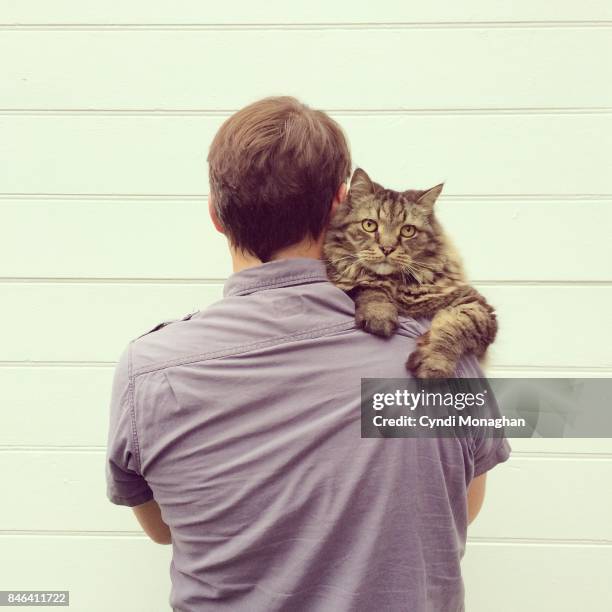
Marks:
<point>383,268</point>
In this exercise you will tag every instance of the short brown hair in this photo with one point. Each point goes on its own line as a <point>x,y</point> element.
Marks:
<point>274,169</point>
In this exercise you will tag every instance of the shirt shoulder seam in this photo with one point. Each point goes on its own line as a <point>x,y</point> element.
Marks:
<point>245,348</point>
<point>249,288</point>
<point>131,407</point>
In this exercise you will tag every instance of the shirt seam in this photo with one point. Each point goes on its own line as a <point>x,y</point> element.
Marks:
<point>500,454</point>
<point>280,282</point>
<point>116,498</point>
<point>131,406</point>
<point>245,348</point>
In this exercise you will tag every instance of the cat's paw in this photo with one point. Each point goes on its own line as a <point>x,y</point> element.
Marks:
<point>377,318</point>
<point>427,361</point>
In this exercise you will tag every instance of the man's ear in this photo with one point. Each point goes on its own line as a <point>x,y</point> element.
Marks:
<point>428,199</point>
<point>340,197</point>
<point>361,183</point>
<point>213,215</point>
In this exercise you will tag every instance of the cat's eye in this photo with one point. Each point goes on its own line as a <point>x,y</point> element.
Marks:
<point>408,231</point>
<point>369,225</point>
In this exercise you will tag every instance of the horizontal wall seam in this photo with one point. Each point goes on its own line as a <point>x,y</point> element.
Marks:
<point>337,112</point>
<point>202,197</point>
<point>332,25</point>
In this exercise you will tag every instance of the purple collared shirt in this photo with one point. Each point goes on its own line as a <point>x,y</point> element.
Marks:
<point>243,422</point>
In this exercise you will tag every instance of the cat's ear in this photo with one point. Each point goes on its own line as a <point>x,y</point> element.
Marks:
<point>361,184</point>
<point>428,199</point>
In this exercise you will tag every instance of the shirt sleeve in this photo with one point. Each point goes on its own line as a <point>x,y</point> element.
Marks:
<point>489,446</point>
<point>125,485</point>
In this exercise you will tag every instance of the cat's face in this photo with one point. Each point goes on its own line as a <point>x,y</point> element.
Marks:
<point>385,231</point>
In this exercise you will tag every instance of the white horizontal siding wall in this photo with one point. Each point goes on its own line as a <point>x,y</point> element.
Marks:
<point>106,113</point>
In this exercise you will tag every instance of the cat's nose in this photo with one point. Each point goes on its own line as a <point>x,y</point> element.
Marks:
<point>387,250</point>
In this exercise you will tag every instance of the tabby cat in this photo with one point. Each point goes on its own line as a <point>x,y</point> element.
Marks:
<point>387,250</point>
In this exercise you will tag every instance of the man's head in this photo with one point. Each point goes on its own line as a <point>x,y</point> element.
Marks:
<point>275,168</point>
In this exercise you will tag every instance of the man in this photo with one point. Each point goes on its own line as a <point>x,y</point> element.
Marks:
<point>235,432</point>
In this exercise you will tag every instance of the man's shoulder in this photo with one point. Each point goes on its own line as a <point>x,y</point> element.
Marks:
<point>165,323</point>
<point>223,329</point>
<point>413,328</point>
<point>161,343</point>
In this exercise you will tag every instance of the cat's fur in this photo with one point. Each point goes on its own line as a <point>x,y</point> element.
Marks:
<point>418,276</point>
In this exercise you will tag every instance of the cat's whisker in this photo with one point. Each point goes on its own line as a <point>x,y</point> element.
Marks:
<point>341,260</point>
<point>421,267</point>
<point>413,273</point>
<point>420,264</point>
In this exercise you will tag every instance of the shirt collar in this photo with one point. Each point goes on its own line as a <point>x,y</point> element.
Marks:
<point>272,274</point>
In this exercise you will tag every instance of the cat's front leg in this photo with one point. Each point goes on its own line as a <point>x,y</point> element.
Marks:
<point>431,359</point>
<point>375,311</point>
<point>462,328</point>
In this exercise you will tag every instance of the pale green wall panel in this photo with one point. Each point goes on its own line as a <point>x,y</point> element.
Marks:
<point>478,154</point>
<point>104,130</point>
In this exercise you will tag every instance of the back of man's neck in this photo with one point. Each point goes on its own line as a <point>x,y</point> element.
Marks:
<point>310,250</point>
